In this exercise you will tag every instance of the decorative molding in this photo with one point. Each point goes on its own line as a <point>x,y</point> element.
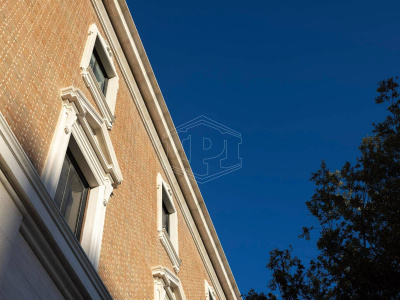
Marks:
<point>169,241</point>
<point>96,131</point>
<point>53,165</point>
<point>209,291</point>
<point>93,151</point>
<point>106,103</point>
<point>118,25</point>
<point>51,236</point>
<point>173,256</point>
<point>166,283</point>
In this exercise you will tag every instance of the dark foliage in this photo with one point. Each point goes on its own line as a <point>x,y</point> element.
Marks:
<point>358,212</point>
<point>252,295</point>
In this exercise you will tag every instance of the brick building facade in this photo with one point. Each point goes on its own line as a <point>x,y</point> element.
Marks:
<point>90,206</point>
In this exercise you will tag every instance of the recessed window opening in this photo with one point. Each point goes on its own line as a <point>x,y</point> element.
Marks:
<point>99,71</point>
<point>167,222</point>
<point>165,218</point>
<point>71,194</point>
<point>166,211</point>
<point>210,296</point>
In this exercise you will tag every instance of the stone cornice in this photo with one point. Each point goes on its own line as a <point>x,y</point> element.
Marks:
<point>117,21</point>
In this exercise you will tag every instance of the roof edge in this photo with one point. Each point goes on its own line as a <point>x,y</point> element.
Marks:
<point>118,13</point>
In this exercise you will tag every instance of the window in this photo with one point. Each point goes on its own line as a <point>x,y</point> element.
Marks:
<point>165,218</point>
<point>167,222</point>
<point>71,194</point>
<point>210,293</point>
<point>81,170</point>
<point>99,71</point>
<point>210,296</point>
<point>166,285</point>
<point>166,213</point>
<point>99,74</point>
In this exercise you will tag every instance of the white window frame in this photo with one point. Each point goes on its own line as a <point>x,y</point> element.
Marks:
<point>106,102</point>
<point>96,159</point>
<point>167,284</point>
<point>169,241</point>
<point>209,290</point>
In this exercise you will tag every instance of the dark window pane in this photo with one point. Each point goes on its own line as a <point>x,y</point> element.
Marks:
<point>71,194</point>
<point>73,198</point>
<point>165,218</point>
<point>62,182</point>
<point>81,214</point>
<point>92,60</point>
<point>98,70</point>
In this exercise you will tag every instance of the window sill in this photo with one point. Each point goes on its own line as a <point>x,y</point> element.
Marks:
<point>169,247</point>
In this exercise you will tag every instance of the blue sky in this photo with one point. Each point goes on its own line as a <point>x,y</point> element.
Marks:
<point>296,78</point>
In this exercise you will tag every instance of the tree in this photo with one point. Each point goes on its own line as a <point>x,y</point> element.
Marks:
<point>252,295</point>
<point>358,212</point>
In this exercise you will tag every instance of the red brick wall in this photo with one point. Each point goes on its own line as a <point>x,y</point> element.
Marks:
<point>41,47</point>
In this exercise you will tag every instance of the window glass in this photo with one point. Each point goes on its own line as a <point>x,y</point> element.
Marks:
<point>98,70</point>
<point>71,194</point>
<point>210,296</point>
<point>62,182</point>
<point>165,217</point>
<point>75,194</point>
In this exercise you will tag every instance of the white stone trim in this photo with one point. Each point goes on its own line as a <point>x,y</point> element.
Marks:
<point>209,290</point>
<point>120,30</point>
<point>97,133</point>
<point>169,241</point>
<point>169,247</point>
<point>59,144</point>
<point>95,153</point>
<point>166,283</point>
<point>59,250</point>
<point>106,102</point>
